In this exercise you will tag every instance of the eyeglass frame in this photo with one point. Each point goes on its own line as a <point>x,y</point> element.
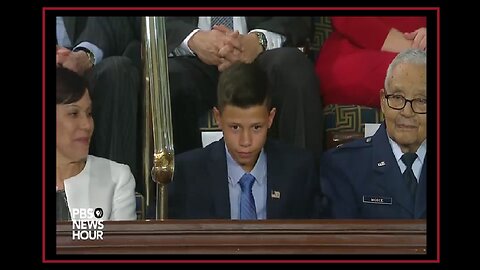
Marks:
<point>404,102</point>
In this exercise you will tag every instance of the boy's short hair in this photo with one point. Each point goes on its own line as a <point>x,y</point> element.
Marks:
<point>243,85</point>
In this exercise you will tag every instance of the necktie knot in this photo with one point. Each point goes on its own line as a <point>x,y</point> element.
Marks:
<point>408,159</point>
<point>247,202</point>
<point>246,182</point>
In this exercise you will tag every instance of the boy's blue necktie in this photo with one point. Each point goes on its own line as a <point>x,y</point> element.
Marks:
<point>247,202</point>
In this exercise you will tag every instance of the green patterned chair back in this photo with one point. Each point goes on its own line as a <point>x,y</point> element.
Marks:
<point>344,123</point>
<point>207,122</point>
<point>322,27</point>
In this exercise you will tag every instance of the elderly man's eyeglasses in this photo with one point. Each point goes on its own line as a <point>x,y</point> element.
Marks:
<point>398,102</point>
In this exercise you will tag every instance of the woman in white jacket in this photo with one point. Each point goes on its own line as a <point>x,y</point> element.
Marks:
<point>86,183</point>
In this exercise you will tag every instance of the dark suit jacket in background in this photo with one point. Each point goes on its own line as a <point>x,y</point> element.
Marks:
<point>74,27</point>
<point>115,36</point>
<point>368,167</point>
<point>200,184</point>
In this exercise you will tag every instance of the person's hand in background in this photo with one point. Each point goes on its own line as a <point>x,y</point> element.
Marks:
<point>206,44</point>
<point>75,61</point>
<point>396,42</point>
<point>230,52</point>
<point>418,37</point>
<point>243,48</point>
<point>62,54</point>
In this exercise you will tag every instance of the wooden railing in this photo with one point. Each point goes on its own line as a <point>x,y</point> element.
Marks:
<point>250,237</point>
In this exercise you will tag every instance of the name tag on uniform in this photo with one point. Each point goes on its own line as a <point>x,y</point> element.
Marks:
<point>377,200</point>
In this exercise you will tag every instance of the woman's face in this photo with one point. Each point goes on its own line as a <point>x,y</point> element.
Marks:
<point>74,129</point>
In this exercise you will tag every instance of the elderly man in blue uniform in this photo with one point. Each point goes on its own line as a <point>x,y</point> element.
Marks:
<point>384,176</point>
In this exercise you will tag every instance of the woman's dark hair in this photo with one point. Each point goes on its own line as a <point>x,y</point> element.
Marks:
<point>70,86</point>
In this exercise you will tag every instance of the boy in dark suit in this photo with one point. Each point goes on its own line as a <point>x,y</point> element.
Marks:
<point>384,176</point>
<point>208,182</point>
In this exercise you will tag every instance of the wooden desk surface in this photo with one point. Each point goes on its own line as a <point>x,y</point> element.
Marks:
<point>250,237</point>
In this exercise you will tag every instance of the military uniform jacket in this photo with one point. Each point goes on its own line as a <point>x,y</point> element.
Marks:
<point>362,179</point>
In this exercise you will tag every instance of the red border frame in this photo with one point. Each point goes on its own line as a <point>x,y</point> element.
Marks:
<point>44,9</point>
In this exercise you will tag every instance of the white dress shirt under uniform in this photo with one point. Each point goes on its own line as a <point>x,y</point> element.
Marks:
<point>417,164</point>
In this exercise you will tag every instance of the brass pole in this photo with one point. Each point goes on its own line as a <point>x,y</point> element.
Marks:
<point>158,90</point>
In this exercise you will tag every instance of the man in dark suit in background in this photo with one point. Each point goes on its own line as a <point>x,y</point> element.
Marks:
<point>196,56</point>
<point>114,85</point>
<point>384,176</point>
<point>199,53</point>
<point>208,182</point>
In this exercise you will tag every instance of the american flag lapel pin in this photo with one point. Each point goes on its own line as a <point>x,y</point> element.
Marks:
<point>275,194</point>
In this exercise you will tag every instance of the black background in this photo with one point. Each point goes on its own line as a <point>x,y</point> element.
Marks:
<point>452,111</point>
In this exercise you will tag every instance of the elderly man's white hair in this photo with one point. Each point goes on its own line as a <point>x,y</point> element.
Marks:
<point>412,56</point>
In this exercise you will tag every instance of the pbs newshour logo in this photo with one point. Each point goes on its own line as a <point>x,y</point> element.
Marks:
<point>87,224</point>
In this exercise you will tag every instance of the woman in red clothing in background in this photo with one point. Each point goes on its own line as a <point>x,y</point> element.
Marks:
<point>354,59</point>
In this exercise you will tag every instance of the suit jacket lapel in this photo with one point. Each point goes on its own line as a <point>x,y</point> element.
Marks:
<point>389,176</point>
<point>273,179</point>
<point>78,193</point>
<point>217,172</point>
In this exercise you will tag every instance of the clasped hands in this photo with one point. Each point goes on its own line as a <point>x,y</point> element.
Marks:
<point>222,47</point>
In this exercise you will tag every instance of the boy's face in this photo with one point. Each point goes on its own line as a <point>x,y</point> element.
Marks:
<point>245,131</point>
